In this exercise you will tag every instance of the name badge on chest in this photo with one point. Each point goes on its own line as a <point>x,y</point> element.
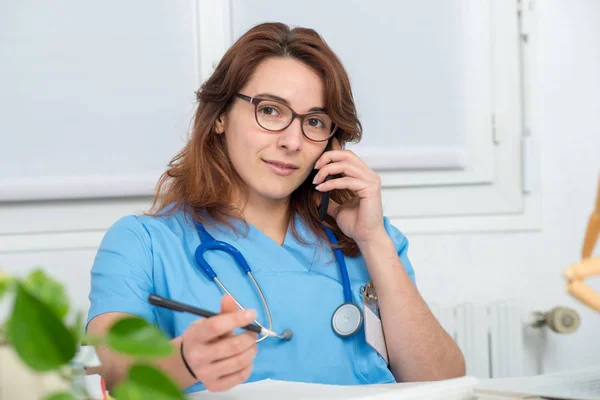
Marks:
<point>373,328</point>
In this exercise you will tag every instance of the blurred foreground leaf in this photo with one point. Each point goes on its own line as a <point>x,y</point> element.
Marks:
<point>136,337</point>
<point>60,396</point>
<point>6,282</point>
<point>37,334</point>
<point>49,291</point>
<point>146,382</point>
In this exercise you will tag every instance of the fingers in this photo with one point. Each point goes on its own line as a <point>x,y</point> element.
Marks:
<point>229,381</point>
<point>208,329</point>
<point>349,165</point>
<point>228,304</point>
<point>227,357</point>
<point>354,184</point>
<point>343,167</point>
<point>338,155</point>
<point>232,345</point>
<point>220,359</point>
<point>228,366</point>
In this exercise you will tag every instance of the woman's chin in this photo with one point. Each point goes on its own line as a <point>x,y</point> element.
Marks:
<point>279,196</point>
<point>275,194</point>
<point>274,191</point>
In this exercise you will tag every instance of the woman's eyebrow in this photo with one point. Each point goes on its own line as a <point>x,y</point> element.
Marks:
<point>271,96</point>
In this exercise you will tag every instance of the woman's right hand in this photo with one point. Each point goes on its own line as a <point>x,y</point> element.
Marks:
<point>220,359</point>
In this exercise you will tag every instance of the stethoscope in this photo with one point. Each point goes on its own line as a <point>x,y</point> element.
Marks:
<point>346,320</point>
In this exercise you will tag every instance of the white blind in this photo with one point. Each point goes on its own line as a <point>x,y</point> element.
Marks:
<point>94,94</point>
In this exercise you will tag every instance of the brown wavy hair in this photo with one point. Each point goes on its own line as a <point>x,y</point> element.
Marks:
<point>201,179</point>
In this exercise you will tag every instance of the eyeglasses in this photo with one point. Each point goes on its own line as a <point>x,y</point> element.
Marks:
<point>274,116</point>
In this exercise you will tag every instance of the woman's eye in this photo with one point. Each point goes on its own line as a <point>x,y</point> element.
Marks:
<point>316,123</point>
<point>269,111</point>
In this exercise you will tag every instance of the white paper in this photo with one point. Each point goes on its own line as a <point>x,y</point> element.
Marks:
<point>452,389</point>
<point>374,333</point>
<point>578,384</point>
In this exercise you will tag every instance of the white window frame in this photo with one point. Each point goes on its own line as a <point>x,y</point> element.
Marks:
<point>514,50</point>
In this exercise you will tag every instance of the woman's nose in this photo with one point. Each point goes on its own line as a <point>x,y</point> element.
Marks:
<point>291,137</point>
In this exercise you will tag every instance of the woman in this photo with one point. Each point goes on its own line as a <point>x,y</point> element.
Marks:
<point>276,100</point>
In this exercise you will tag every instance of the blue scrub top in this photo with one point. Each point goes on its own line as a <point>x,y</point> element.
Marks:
<point>140,255</point>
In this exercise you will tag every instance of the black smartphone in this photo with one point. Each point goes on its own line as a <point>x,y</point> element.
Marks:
<point>325,195</point>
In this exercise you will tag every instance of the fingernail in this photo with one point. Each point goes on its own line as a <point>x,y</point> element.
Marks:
<point>250,314</point>
<point>319,187</point>
<point>315,179</point>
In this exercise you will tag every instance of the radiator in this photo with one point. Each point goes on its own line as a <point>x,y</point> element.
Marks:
<point>491,336</point>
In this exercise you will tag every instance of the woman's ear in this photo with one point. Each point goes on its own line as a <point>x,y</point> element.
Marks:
<point>220,124</point>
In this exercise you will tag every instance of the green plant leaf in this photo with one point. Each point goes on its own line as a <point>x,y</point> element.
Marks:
<point>6,282</point>
<point>49,291</point>
<point>146,382</point>
<point>91,340</point>
<point>38,336</point>
<point>135,336</point>
<point>78,328</point>
<point>60,396</point>
<point>5,331</point>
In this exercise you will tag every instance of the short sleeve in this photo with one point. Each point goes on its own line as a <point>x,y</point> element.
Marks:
<point>121,276</point>
<point>401,243</point>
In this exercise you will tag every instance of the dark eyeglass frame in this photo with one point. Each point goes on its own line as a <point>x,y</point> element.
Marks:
<point>257,100</point>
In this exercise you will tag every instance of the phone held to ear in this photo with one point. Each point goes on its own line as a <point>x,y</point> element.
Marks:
<point>325,195</point>
<point>324,202</point>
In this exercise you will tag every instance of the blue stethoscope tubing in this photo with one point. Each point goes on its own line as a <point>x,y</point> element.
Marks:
<point>339,256</point>
<point>207,242</point>
<point>347,318</point>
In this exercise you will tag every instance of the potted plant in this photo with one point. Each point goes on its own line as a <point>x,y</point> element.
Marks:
<point>40,340</point>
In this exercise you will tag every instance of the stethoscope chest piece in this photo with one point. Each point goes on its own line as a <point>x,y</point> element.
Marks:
<point>347,319</point>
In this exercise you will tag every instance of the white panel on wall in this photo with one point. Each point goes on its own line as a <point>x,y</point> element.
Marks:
<point>96,97</point>
<point>513,202</point>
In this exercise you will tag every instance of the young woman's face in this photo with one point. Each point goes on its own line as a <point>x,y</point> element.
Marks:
<point>274,164</point>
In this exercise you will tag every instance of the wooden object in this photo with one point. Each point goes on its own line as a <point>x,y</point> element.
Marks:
<point>588,267</point>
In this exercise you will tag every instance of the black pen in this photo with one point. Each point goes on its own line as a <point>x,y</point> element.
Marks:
<point>177,306</point>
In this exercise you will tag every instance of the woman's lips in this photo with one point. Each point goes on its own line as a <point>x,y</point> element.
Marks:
<point>283,169</point>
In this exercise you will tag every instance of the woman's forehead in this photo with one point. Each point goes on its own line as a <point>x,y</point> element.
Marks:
<point>289,79</point>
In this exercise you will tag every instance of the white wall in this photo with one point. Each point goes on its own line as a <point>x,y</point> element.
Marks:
<point>486,267</point>
<point>528,266</point>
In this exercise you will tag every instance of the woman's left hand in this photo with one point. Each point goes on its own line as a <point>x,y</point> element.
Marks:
<point>362,217</point>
